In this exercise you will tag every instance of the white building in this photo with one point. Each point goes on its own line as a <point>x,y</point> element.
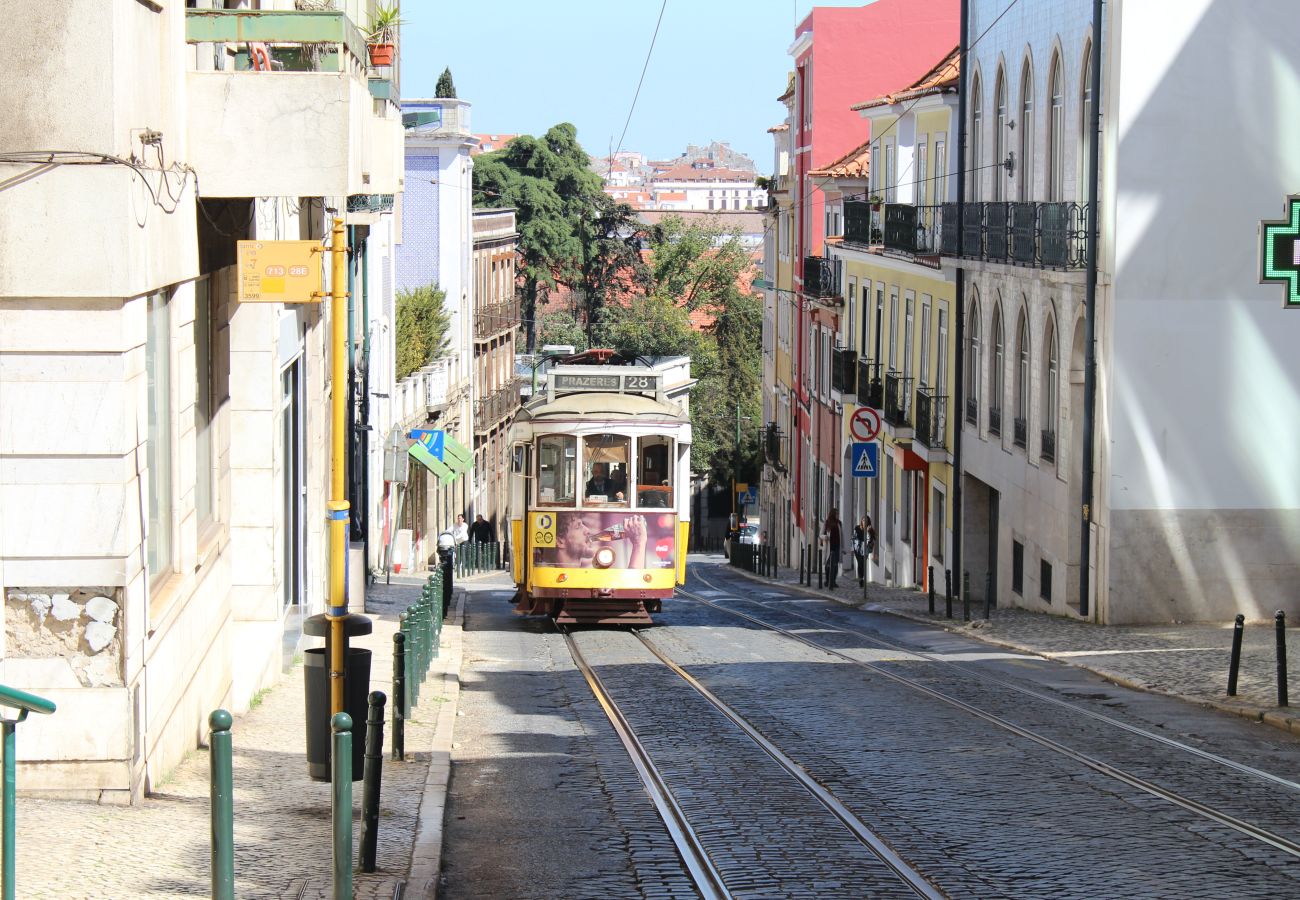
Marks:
<point>701,186</point>
<point>161,497</point>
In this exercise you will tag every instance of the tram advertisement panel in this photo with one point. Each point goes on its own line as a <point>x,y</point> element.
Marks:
<point>603,539</point>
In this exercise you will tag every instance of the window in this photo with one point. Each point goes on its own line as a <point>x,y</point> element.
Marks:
<point>940,193</point>
<point>1085,121</point>
<point>654,485</point>
<point>203,404</point>
<point>976,139</point>
<point>996,368</point>
<point>1026,133</point>
<point>866,318</point>
<point>890,174</point>
<point>937,521</point>
<point>158,541</point>
<point>874,172</point>
<point>909,300</point>
<point>889,502</point>
<point>825,369</point>
<point>1017,567</point>
<point>905,507</point>
<point>893,329</point>
<point>922,170</point>
<point>557,466</point>
<point>1045,580</point>
<point>1056,133</point>
<point>941,349</point>
<point>605,470</point>
<point>1051,391</point>
<point>923,378</point>
<point>1000,122</point>
<point>973,362</point>
<point>1022,380</point>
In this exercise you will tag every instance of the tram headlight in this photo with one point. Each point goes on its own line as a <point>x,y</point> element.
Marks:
<point>604,558</point>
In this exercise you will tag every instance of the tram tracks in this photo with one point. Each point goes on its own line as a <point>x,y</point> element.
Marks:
<point>709,880</point>
<point>1248,829</point>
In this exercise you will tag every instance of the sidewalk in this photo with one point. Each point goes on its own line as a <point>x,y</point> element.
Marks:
<point>161,847</point>
<point>1189,661</point>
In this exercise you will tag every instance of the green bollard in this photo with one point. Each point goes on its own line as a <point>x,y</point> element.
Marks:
<point>25,703</point>
<point>222,795</point>
<point>341,814</point>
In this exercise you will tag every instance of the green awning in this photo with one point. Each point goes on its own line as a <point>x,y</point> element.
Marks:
<point>456,455</point>
<point>421,454</point>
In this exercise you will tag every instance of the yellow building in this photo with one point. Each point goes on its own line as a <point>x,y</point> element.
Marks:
<point>897,353</point>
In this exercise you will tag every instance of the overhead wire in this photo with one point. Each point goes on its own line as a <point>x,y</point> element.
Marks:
<point>641,81</point>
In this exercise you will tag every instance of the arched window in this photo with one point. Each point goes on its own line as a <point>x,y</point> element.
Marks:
<point>1000,136</point>
<point>976,132</point>
<point>1026,127</point>
<point>1085,120</point>
<point>973,361</point>
<point>1056,133</point>
<point>1022,381</point>
<point>1051,391</point>
<point>996,362</point>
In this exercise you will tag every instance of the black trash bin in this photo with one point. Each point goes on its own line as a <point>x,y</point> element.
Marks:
<point>316,685</point>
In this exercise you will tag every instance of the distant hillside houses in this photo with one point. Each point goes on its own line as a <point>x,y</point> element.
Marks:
<point>712,178</point>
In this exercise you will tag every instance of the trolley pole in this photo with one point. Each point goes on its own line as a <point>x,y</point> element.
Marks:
<point>338,505</point>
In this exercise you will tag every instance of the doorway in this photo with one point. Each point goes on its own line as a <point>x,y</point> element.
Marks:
<point>293,499</point>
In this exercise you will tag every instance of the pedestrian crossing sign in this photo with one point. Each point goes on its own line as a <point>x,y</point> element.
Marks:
<point>866,459</point>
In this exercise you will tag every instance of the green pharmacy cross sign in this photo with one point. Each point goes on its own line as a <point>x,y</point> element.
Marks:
<point>1279,252</point>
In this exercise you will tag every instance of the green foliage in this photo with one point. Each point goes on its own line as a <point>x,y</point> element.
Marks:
<point>423,326</point>
<point>562,328</point>
<point>446,87</point>
<point>384,23</point>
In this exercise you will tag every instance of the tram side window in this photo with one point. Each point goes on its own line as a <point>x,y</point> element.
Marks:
<point>655,478</point>
<point>605,465</point>
<point>557,465</point>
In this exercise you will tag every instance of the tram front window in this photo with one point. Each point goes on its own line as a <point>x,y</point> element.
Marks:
<point>605,463</point>
<point>557,467</point>
<point>654,480</point>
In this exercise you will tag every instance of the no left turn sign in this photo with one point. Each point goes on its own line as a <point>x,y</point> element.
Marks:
<point>864,424</point>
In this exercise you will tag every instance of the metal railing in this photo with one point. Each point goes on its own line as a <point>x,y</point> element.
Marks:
<point>931,419</point>
<point>863,223</point>
<point>820,279</point>
<point>871,387</point>
<point>292,40</point>
<point>495,318</point>
<point>972,411</point>
<point>898,400</point>
<point>475,557</point>
<point>1020,434</point>
<point>844,370</point>
<point>1048,449</point>
<point>496,406</point>
<point>995,420</point>
<point>25,703</point>
<point>1049,235</point>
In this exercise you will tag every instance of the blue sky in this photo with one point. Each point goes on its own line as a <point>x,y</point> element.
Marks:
<point>717,68</point>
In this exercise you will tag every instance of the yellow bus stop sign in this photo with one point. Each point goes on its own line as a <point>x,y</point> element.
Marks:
<point>280,272</point>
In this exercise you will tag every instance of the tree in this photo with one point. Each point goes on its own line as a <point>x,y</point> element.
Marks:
<point>423,328</point>
<point>445,87</point>
<point>562,328</point>
<point>612,267</point>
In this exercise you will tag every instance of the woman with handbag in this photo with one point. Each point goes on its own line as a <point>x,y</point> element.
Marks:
<point>832,535</point>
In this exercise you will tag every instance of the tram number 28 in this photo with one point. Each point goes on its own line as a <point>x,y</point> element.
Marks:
<point>639,382</point>
<point>544,530</point>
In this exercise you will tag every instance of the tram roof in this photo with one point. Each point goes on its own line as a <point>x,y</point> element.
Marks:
<point>624,407</point>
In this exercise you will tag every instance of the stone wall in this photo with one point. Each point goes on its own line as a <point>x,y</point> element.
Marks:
<point>78,625</point>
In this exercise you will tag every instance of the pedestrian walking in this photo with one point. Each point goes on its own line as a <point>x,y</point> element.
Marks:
<point>481,531</point>
<point>834,539</point>
<point>860,549</point>
<point>460,533</point>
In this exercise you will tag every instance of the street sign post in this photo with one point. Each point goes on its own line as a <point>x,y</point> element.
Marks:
<point>864,424</point>
<point>866,459</point>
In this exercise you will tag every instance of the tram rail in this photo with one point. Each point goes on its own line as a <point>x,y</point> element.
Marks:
<point>1206,811</point>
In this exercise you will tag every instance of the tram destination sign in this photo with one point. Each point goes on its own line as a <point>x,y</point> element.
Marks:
<point>604,381</point>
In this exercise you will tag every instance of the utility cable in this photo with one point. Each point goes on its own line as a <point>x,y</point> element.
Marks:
<point>642,79</point>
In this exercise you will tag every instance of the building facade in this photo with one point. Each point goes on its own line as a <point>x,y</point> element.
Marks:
<point>161,424</point>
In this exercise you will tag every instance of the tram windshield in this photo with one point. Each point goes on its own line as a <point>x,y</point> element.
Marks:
<point>655,475</point>
<point>605,465</point>
<point>557,468</point>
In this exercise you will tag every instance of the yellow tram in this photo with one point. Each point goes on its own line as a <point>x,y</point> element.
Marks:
<point>599,489</point>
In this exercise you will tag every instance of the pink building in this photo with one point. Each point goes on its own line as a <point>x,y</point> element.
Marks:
<point>841,55</point>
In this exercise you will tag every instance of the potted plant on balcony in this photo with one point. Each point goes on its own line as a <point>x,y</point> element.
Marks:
<point>383,33</point>
<point>875,202</point>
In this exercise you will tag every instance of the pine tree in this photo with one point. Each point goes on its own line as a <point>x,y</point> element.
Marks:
<point>445,88</point>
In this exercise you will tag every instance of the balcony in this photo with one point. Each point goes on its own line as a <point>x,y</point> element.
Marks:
<point>821,280</point>
<point>863,224</point>
<point>898,403</point>
<point>772,446</point>
<point>844,371</point>
<point>931,422</point>
<point>972,411</point>
<point>1020,435</point>
<point>496,318</point>
<point>1048,448</point>
<point>995,421</point>
<point>441,118</point>
<point>309,125</point>
<point>1047,235</point>
<point>899,228</point>
<point>492,409</point>
<point>871,388</point>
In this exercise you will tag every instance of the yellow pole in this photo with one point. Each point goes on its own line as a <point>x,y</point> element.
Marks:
<point>338,506</point>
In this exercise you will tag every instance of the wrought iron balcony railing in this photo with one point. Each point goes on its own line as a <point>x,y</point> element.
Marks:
<point>995,420</point>
<point>863,223</point>
<point>821,279</point>
<point>897,227</point>
<point>1048,451</point>
<point>898,400</point>
<point>972,411</point>
<point>496,406</point>
<point>871,388</point>
<point>931,419</point>
<point>1048,235</point>
<point>495,318</point>
<point>844,370</point>
<point>1020,436</point>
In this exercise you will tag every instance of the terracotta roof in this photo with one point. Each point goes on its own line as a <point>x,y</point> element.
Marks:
<point>941,79</point>
<point>789,89</point>
<point>854,164</point>
<point>777,129</point>
<point>688,173</point>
